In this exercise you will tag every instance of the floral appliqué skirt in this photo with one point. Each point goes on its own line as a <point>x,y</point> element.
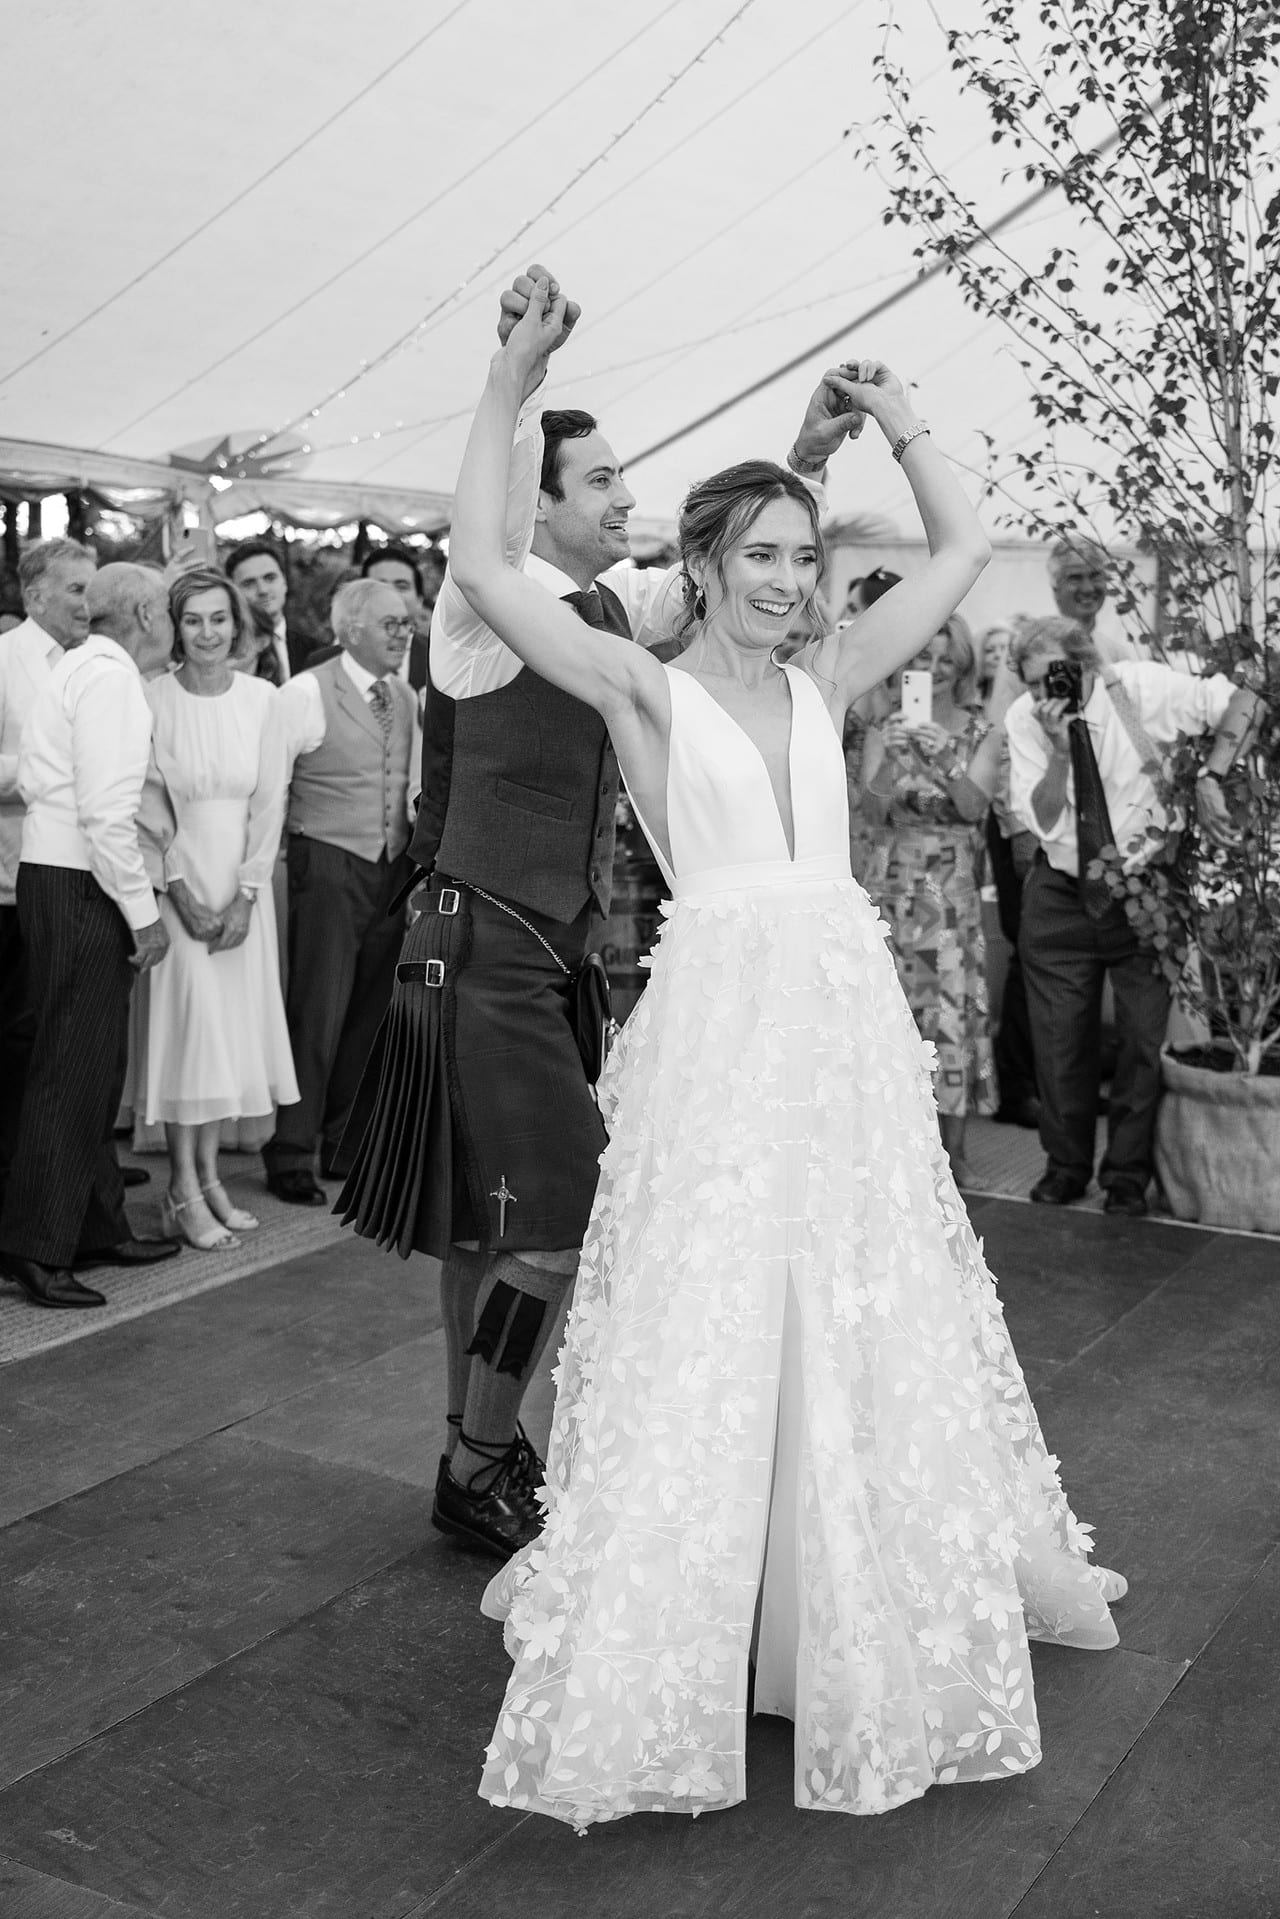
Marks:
<point>775,1210</point>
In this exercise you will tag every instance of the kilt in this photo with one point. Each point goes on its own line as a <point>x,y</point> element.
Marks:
<point>475,1090</point>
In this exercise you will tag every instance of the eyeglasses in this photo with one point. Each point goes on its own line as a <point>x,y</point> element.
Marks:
<point>397,629</point>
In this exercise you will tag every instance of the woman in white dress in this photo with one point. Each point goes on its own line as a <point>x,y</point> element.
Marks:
<point>217,1046</point>
<point>787,1399</point>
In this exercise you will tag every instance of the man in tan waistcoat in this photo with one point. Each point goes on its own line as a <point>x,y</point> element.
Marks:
<point>352,732</point>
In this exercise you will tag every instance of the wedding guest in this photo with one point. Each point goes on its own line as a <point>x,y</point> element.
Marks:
<point>54,578</point>
<point>398,566</point>
<point>352,741</point>
<point>257,568</point>
<point>1084,757</point>
<point>1080,581</point>
<point>931,784</point>
<point>1010,850</point>
<point>90,924</point>
<point>217,1044</point>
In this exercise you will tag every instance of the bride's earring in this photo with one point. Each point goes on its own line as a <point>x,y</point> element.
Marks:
<point>699,605</point>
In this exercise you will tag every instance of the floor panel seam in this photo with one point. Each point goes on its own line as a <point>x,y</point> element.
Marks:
<point>1123,1760</point>
<point>215,1665</point>
<point>465,1869</point>
<point>228,1427</point>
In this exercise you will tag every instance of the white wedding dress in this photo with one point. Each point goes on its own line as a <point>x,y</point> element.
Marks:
<point>783,1332</point>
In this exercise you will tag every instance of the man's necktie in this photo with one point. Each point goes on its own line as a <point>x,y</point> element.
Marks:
<point>587,605</point>
<point>1093,822</point>
<point>380,701</point>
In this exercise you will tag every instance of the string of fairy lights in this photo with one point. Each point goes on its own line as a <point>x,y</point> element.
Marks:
<point>609,200</point>
<point>237,199</point>
<point>412,334</point>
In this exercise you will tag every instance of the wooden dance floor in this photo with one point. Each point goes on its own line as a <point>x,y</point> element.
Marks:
<point>243,1679</point>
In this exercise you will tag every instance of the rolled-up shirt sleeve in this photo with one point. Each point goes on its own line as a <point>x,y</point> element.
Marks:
<point>111,746</point>
<point>466,655</point>
<point>1173,703</point>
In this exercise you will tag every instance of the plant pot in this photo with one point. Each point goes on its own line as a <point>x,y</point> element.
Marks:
<point>1217,1147</point>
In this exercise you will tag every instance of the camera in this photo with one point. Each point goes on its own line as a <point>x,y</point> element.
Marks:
<point>1064,680</point>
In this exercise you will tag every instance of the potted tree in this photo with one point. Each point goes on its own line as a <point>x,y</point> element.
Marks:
<point>1153,358</point>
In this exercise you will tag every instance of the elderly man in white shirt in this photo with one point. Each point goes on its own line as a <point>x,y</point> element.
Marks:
<point>1083,745</point>
<point>54,576</point>
<point>90,923</point>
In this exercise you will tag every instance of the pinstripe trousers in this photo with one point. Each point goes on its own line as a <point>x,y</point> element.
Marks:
<point>65,1194</point>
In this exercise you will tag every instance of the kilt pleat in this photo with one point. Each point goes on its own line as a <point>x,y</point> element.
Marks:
<point>402,1173</point>
<point>474,1119</point>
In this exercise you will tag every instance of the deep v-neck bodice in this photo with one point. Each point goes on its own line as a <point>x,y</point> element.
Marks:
<point>723,818</point>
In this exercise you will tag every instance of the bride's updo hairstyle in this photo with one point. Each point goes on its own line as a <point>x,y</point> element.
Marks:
<point>718,514</point>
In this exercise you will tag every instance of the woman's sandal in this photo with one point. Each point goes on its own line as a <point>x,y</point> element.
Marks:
<point>225,1209</point>
<point>214,1238</point>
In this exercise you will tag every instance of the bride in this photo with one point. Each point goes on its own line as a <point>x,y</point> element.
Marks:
<point>790,1425</point>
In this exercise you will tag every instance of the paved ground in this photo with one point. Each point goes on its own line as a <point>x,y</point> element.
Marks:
<point>244,1680</point>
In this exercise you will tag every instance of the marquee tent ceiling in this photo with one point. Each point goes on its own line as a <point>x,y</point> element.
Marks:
<point>291,224</point>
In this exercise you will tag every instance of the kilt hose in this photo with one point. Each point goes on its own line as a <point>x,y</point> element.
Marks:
<point>64,1194</point>
<point>475,1120</point>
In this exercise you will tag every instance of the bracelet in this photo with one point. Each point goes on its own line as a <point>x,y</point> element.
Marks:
<point>249,893</point>
<point>804,468</point>
<point>904,440</point>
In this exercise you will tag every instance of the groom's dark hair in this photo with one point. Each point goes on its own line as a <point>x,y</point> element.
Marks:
<point>558,425</point>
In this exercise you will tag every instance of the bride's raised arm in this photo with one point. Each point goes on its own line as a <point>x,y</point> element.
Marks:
<point>610,674</point>
<point>906,618</point>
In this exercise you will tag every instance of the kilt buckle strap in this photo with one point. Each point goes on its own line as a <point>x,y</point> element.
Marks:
<point>420,972</point>
<point>447,901</point>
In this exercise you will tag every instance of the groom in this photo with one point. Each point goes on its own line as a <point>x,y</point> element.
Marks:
<point>499,1132</point>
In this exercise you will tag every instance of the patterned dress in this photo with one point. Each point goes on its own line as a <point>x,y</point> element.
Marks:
<point>922,873</point>
<point>786,1373</point>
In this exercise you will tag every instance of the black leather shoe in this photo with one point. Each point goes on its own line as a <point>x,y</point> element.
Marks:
<point>48,1285</point>
<point>527,1468</point>
<point>132,1252</point>
<point>1019,1112</point>
<point>1058,1189</point>
<point>497,1521</point>
<point>135,1175</point>
<point>1125,1196</point>
<point>298,1188</point>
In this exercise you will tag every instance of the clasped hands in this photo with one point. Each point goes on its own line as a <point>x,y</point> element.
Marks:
<point>220,932</point>
<point>838,406</point>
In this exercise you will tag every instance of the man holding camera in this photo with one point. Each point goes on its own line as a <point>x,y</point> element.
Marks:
<point>1085,748</point>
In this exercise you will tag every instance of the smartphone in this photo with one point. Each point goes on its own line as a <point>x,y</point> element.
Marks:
<point>917,698</point>
<point>195,545</point>
<point>1064,680</point>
